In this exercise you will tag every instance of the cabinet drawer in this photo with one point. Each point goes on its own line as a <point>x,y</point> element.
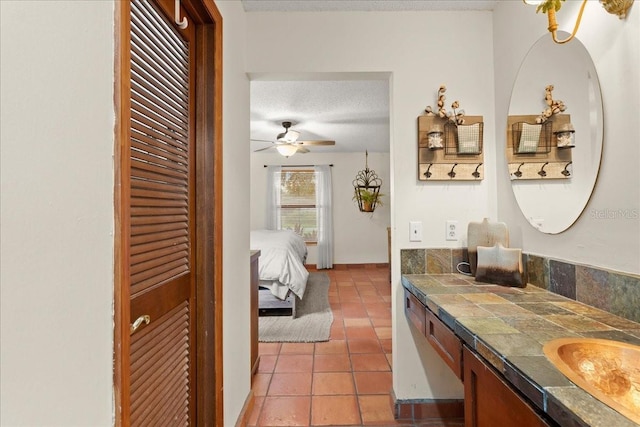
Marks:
<point>415,311</point>
<point>445,342</point>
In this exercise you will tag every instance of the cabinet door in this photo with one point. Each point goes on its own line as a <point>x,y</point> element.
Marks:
<point>415,311</point>
<point>445,343</point>
<point>490,402</point>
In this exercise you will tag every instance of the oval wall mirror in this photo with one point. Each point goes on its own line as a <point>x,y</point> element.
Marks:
<point>552,186</point>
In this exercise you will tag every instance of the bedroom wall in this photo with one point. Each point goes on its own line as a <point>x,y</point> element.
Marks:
<point>609,242</point>
<point>359,238</point>
<point>420,50</point>
<point>56,203</point>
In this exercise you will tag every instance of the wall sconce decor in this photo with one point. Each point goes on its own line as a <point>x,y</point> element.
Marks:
<point>435,135</point>
<point>366,188</point>
<point>526,159</point>
<point>533,152</point>
<point>449,143</point>
<point>550,7</point>
<point>565,136</point>
<point>531,138</point>
<point>464,139</point>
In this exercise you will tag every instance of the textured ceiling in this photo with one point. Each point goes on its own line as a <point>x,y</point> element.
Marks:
<point>353,112</point>
<point>364,5</point>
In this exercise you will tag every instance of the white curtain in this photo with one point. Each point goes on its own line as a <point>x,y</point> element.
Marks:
<point>325,220</point>
<point>273,197</point>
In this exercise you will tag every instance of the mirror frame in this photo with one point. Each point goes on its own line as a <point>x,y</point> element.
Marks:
<point>570,196</point>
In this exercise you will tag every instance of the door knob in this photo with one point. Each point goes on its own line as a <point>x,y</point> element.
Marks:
<point>142,319</point>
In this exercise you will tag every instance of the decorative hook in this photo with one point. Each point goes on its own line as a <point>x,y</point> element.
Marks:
<point>566,172</point>
<point>475,173</point>
<point>542,172</point>
<point>182,24</point>
<point>427,173</point>
<point>451,173</point>
<point>518,173</point>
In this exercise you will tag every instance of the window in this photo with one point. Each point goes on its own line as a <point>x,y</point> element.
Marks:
<point>300,200</point>
<point>297,204</point>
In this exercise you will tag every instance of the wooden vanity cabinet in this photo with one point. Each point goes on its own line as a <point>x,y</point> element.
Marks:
<point>445,342</point>
<point>441,338</point>
<point>490,402</point>
<point>415,311</point>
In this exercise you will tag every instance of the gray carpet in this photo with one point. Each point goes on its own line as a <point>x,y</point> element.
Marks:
<point>314,316</point>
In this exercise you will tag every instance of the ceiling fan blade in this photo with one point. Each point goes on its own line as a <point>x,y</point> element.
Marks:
<point>261,140</point>
<point>265,148</point>
<point>319,142</point>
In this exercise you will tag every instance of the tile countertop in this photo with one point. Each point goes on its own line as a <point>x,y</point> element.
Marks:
<point>508,327</point>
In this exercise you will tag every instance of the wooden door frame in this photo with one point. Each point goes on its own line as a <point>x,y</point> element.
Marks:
<point>208,249</point>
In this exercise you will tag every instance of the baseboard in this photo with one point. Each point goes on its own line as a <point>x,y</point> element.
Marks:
<point>245,413</point>
<point>428,409</point>
<point>254,368</point>
<point>369,266</point>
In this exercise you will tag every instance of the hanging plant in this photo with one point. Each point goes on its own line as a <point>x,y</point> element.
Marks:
<point>368,198</point>
<point>366,188</point>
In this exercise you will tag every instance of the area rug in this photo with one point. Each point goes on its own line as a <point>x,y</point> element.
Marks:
<point>314,316</point>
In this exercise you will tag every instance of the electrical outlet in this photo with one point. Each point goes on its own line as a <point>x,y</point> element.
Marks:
<point>451,230</point>
<point>415,231</point>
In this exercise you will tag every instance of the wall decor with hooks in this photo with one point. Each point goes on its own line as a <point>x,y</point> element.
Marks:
<point>539,150</point>
<point>460,157</point>
<point>449,143</point>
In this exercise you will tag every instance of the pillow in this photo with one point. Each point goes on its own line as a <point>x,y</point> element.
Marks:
<point>529,138</point>
<point>468,137</point>
<point>499,265</point>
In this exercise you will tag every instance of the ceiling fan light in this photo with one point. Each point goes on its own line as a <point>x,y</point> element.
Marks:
<point>287,149</point>
<point>288,136</point>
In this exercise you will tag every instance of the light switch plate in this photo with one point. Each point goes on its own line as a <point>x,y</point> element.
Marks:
<point>415,231</point>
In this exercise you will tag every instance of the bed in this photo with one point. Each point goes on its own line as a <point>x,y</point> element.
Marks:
<point>283,276</point>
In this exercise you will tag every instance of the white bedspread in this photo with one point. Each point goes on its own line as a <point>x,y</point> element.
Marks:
<point>281,263</point>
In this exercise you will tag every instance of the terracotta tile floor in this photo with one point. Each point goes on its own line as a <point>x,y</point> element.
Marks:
<point>343,382</point>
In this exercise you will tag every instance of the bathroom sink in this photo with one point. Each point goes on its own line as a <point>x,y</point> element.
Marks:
<point>608,370</point>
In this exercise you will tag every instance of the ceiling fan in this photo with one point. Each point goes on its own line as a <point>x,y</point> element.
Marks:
<point>287,142</point>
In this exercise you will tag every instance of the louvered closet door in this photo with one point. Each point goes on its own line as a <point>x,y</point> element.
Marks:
<point>161,240</point>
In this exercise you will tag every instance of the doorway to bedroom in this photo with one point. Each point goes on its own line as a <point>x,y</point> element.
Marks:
<point>346,378</point>
<point>349,110</point>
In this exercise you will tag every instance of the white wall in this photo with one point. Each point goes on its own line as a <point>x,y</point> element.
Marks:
<point>359,238</point>
<point>57,212</point>
<point>236,290</point>
<point>612,243</point>
<point>421,51</point>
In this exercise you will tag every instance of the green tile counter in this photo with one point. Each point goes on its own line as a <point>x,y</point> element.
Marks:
<point>508,328</point>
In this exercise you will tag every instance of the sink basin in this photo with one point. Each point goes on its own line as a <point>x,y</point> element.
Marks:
<point>608,370</point>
